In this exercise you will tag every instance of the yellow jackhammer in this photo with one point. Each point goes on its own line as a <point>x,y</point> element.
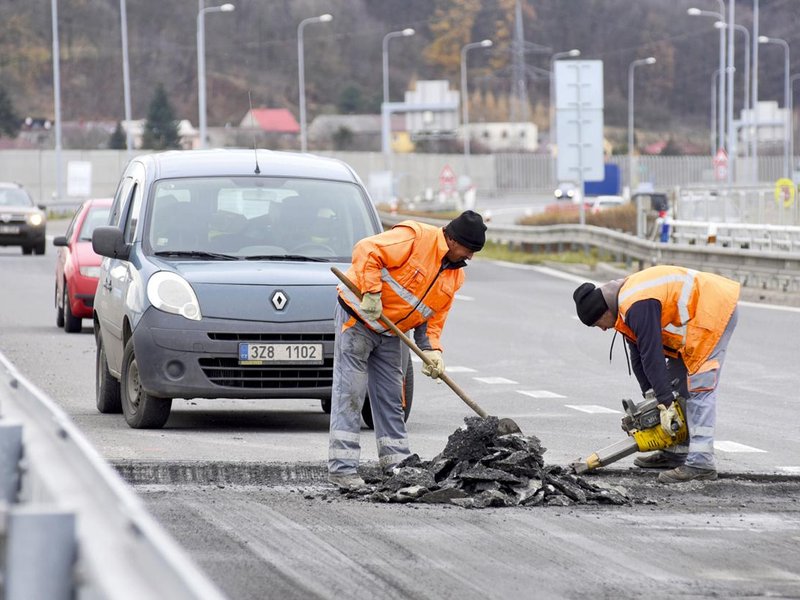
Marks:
<point>642,423</point>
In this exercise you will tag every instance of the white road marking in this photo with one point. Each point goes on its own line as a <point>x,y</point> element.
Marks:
<point>592,408</point>
<point>540,394</point>
<point>792,470</point>
<point>727,446</point>
<point>458,369</point>
<point>465,298</point>
<point>494,380</point>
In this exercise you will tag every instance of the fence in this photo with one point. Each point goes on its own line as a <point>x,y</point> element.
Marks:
<point>492,174</point>
<point>73,529</point>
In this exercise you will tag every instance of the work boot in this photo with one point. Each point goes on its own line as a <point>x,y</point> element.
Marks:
<point>346,481</point>
<point>660,460</point>
<point>687,473</point>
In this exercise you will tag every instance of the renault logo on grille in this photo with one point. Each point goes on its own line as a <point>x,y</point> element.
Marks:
<point>279,300</point>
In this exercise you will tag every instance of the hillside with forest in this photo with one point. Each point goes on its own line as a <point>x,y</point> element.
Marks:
<point>254,50</point>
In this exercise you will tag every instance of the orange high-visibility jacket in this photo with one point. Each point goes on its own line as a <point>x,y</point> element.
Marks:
<point>404,265</point>
<point>695,309</point>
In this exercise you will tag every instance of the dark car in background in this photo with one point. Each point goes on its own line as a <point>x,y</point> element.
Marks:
<point>22,223</point>
<point>216,281</point>
<point>78,266</point>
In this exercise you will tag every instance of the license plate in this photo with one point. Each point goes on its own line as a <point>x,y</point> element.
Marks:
<point>9,229</point>
<point>277,354</point>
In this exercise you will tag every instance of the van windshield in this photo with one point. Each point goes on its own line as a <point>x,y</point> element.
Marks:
<point>249,217</point>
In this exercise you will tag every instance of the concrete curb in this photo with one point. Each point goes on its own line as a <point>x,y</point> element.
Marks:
<point>276,474</point>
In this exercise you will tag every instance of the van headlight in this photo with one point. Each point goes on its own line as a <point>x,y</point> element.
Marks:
<point>35,219</point>
<point>172,293</point>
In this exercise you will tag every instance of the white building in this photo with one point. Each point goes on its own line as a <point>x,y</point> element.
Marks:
<point>505,136</point>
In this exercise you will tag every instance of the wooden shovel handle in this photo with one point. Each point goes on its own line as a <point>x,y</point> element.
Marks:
<point>410,343</point>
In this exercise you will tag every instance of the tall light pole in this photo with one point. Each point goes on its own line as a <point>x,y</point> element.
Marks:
<point>754,103</point>
<point>392,34</point>
<point>746,103</point>
<point>787,100</point>
<point>465,95</point>
<point>574,53</point>
<point>201,62</point>
<point>301,68</point>
<point>57,97</point>
<point>719,16</point>
<point>714,79</point>
<point>650,60</point>
<point>126,77</point>
<point>792,79</point>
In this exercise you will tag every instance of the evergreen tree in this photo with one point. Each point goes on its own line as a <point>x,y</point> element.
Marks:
<point>118,140</point>
<point>161,127</point>
<point>9,121</point>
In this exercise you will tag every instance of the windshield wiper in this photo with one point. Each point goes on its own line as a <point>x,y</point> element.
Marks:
<point>196,254</point>
<point>285,257</point>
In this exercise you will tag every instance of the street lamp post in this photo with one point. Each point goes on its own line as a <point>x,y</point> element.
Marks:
<point>719,16</point>
<point>746,103</point>
<point>792,79</point>
<point>126,78</point>
<point>201,63</point>
<point>57,97</point>
<point>574,53</point>
<point>787,100</point>
<point>465,95</point>
<point>392,34</point>
<point>301,72</point>
<point>650,60</point>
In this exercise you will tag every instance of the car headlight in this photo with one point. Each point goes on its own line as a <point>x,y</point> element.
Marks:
<point>90,272</point>
<point>172,293</point>
<point>558,193</point>
<point>35,219</point>
<point>571,193</point>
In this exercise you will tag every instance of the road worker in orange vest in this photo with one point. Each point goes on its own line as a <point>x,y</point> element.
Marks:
<point>686,317</point>
<point>410,273</point>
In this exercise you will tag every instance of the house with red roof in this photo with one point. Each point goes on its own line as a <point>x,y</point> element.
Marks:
<point>271,120</point>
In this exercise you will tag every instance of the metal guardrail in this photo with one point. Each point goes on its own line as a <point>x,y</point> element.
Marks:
<point>73,528</point>
<point>766,269</point>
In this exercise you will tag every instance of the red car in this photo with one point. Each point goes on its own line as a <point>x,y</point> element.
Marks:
<point>77,266</point>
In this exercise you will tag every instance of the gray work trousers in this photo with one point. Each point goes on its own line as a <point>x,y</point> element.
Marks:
<point>364,360</point>
<point>701,402</point>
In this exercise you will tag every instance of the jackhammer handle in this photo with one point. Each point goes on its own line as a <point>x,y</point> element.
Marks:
<point>410,343</point>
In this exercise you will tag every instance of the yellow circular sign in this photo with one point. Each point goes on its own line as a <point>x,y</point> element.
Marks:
<point>784,191</point>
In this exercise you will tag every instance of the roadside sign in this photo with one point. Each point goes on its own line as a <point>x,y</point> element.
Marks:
<point>785,192</point>
<point>447,179</point>
<point>721,165</point>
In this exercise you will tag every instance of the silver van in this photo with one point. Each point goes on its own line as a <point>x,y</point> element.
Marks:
<point>216,279</point>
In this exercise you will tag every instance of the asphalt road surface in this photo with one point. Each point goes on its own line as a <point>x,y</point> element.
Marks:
<point>275,530</point>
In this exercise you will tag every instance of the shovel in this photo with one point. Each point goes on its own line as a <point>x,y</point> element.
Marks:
<point>505,426</point>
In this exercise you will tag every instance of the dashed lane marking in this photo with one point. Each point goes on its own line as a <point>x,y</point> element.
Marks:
<point>458,369</point>
<point>727,446</point>
<point>592,408</point>
<point>540,394</point>
<point>494,380</point>
<point>791,470</point>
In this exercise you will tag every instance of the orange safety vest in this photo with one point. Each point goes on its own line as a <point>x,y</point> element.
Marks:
<point>404,265</point>
<point>695,309</point>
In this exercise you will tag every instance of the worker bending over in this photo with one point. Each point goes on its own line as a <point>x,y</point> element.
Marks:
<point>410,273</point>
<point>688,317</point>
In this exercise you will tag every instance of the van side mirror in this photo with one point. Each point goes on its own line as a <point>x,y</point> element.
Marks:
<point>109,241</point>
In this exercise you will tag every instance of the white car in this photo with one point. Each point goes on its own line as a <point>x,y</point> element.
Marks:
<point>599,203</point>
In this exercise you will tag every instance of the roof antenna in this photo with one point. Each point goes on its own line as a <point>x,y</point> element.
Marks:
<point>253,123</point>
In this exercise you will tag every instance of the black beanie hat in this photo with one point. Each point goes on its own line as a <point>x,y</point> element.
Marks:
<point>468,230</point>
<point>589,303</point>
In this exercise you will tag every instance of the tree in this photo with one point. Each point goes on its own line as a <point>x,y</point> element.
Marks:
<point>118,140</point>
<point>9,121</point>
<point>350,100</point>
<point>343,138</point>
<point>161,127</point>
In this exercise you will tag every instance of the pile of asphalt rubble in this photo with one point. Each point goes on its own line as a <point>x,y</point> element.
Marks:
<point>479,469</point>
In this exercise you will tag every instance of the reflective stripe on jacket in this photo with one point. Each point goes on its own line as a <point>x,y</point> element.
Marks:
<point>695,308</point>
<point>405,266</point>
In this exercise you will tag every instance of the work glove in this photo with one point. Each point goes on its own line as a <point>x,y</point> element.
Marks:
<point>668,417</point>
<point>650,394</point>
<point>371,306</point>
<point>436,367</point>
